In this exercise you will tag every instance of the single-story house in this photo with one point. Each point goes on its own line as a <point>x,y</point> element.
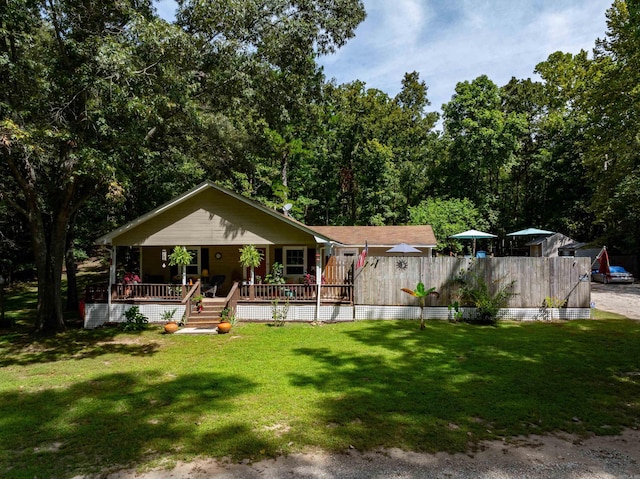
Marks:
<point>213,223</point>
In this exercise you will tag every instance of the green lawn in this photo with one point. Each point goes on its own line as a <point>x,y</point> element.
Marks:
<point>88,401</point>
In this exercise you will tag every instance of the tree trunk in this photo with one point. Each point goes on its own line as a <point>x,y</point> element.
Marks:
<point>48,249</point>
<point>70,264</point>
<point>49,256</point>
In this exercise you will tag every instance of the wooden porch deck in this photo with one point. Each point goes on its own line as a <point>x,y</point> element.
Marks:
<point>209,314</point>
<point>297,293</point>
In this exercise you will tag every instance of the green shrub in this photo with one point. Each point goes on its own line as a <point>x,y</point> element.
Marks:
<point>553,302</point>
<point>136,321</point>
<point>474,291</point>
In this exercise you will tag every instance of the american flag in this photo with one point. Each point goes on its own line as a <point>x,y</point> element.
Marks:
<point>363,256</point>
<point>604,262</point>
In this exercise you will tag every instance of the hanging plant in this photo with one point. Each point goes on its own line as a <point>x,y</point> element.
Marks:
<point>250,257</point>
<point>181,257</point>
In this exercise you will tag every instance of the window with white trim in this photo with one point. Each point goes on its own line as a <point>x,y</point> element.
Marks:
<point>294,260</point>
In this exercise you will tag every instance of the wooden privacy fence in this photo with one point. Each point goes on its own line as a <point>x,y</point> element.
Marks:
<point>380,281</point>
<point>339,270</point>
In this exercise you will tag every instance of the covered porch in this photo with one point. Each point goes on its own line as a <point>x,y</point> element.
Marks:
<point>106,304</point>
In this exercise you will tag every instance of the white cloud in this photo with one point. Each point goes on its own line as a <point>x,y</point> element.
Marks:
<point>448,41</point>
<point>458,40</point>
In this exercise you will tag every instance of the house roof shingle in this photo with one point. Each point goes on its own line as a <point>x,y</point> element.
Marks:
<point>382,236</point>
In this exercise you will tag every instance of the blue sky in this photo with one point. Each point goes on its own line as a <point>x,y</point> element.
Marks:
<point>448,41</point>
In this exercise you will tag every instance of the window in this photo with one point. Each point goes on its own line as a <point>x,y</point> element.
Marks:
<point>193,269</point>
<point>294,258</point>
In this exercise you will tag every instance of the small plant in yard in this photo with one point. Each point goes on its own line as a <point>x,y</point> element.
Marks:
<point>279,313</point>
<point>136,321</point>
<point>475,291</point>
<point>455,314</point>
<point>553,302</point>
<point>421,293</point>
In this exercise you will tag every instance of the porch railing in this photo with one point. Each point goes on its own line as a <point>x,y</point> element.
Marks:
<point>98,293</point>
<point>341,293</point>
<point>297,292</point>
<point>162,292</point>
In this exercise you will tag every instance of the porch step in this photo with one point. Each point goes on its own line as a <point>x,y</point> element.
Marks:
<point>210,314</point>
<point>203,324</point>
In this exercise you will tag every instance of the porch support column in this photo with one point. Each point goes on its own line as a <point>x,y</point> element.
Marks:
<point>318,281</point>
<point>112,267</point>
<point>112,279</point>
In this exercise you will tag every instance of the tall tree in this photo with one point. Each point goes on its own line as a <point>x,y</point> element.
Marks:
<point>482,142</point>
<point>613,145</point>
<point>104,98</point>
<point>262,80</point>
<point>447,217</point>
<point>372,153</point>
<point>84,86</point>
<point>416,140</point>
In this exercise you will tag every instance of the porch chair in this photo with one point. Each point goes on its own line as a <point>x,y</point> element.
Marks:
<point>212,287</point>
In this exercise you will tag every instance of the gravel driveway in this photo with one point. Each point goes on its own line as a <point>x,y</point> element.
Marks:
<point>540,457</point>
<point>622,299</point>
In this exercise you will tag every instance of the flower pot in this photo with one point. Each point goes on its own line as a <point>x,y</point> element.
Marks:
<point>171,327</point>
<point>224,327</point>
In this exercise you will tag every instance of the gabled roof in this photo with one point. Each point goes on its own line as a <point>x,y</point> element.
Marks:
<point>380,236</point>
<point>108,238</point>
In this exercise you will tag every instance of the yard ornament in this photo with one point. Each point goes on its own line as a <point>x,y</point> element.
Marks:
<point>421,293</point>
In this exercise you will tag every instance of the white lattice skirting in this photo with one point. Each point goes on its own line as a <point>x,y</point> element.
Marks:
<point>250,312</point>
<point>518,314</point>
<point>98,314</point>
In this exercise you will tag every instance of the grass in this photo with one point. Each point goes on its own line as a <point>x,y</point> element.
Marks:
<point>94,401</point>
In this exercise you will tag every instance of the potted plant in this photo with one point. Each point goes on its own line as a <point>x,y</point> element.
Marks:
<point>197,301</point>
<point>181,257</point>
<point>227,320</point>
<point>170,326</point>
<point>250,257</point>
<point>275,275</point>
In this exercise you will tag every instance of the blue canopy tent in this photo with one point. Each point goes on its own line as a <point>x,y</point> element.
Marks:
<point>531,232</point>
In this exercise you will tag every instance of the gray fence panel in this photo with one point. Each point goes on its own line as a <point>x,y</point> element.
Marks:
<point>380,281</point>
